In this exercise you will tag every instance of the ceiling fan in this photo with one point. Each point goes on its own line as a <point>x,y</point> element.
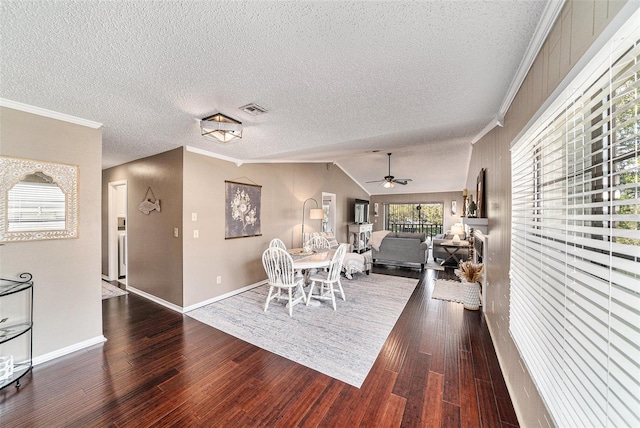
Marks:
<point>390,181</point>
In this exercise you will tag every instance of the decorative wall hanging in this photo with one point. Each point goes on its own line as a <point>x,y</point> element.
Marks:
<point>242,210</point>
<point>454,207</point>
<point>148,204</point>
<point>38,200</point>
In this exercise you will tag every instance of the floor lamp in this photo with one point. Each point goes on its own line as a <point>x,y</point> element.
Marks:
<point>314,214</point>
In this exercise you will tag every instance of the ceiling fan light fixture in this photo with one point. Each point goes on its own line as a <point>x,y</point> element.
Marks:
<point>220,128</point>
<point>389,181</point>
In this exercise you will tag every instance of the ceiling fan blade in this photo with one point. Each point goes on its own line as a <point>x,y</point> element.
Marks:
<point>389,180</point>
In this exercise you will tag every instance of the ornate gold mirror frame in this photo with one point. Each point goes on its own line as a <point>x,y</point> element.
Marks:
<point>15,171</point>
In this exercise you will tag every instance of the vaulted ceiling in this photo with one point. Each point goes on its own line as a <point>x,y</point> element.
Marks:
<point>343,82</point>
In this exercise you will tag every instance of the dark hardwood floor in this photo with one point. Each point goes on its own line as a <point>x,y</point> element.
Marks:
<point>160,368</point>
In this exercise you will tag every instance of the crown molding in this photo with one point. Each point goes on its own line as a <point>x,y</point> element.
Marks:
<point>351,177</point>
<point>240,162</point>
<point>210,154</point>
<point>549,16</point>
<point>49,113</point>
<point>496,121</point>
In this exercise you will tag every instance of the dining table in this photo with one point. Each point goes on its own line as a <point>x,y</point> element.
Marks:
<point>313,259</point>
<point>305,261</point>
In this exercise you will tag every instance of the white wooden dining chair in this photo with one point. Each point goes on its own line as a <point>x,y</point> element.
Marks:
<point>328,280</point>
<point>275,242</point>
<point>318,241</point>
<point>279,267</point>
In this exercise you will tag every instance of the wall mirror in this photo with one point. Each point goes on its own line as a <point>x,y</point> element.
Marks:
<point>38,200</point>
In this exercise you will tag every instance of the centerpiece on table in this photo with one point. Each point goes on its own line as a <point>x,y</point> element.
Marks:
<point>470,274</point>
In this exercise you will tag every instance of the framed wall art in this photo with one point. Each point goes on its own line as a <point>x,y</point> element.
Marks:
<point>242,210</point>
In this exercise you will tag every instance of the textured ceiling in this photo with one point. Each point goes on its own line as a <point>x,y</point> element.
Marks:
<point>340,79</point>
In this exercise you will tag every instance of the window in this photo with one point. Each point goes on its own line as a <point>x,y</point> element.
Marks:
<point>575,249</point>
<point>420,217</point>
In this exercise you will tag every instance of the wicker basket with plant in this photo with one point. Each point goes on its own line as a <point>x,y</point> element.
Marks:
<point>470,274</point>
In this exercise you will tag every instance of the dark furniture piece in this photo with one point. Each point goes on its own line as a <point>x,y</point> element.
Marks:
<point>455,252</point>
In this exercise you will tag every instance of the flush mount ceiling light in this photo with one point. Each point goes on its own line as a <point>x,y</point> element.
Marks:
<point>220,127</point>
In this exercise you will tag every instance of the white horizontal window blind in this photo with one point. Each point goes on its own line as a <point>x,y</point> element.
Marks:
<point>575,250</point>
<point>36,206</point>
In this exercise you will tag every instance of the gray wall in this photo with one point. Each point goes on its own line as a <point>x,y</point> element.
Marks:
<point>578,25</point>
<point>66,273</point>
<point>183,270</point>
<point>155,255</point>
<point>284,189</point>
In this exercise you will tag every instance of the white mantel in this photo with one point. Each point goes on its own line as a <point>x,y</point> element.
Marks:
<point>479,224</point>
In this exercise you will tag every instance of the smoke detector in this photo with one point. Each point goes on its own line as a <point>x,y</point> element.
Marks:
<point>253,109</point>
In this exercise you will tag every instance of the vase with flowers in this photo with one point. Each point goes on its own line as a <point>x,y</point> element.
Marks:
<point>470,274</point>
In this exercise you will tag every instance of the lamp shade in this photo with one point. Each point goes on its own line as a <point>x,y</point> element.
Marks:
<point>316,214</point>
<point>457,229</point>
<point>221,128</point>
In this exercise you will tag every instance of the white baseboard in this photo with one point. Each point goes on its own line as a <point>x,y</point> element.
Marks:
<point>156,299</point>
<point>68,350</point>
<point>224,296</point>
<point>182,310</point>
<point>506,375</point>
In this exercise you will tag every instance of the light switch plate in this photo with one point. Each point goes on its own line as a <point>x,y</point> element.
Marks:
<point>176,233</point>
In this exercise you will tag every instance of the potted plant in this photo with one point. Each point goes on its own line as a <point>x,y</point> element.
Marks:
<point>470,274</point>
<point>472,209</point>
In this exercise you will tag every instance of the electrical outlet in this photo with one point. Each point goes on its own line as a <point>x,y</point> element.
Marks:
<point>218,279</point>
<point>194,216</point>
<point>196,233</point>
<point>176,233</point>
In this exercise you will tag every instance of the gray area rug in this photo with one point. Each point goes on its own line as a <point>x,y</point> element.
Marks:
<point>342,344</point>
<point>109,291</point>
<point>447,290</point>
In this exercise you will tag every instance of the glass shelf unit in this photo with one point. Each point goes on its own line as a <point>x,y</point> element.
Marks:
<point>16,321</point>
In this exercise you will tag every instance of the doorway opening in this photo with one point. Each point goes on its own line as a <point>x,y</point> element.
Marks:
<point>117,223</point>
<point>329,208</point>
